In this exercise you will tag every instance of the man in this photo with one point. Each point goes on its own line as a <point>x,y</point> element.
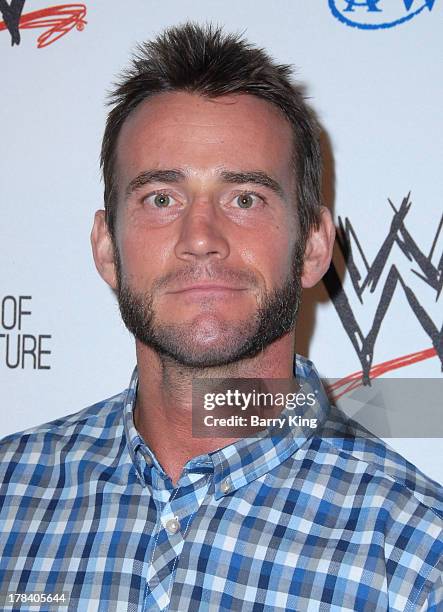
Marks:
<point>212,225</point>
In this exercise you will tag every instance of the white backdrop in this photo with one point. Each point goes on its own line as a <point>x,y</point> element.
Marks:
<point>378,93</point>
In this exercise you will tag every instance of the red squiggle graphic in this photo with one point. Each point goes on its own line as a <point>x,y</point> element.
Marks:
<point>352,381</point>
<point>59,20</point>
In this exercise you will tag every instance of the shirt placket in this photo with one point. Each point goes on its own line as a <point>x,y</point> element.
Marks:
<point>176,509</point>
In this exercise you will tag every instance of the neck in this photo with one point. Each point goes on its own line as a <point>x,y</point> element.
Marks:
<point>163,412</point>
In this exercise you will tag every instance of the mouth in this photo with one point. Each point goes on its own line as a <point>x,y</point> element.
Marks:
<point>197,289</point>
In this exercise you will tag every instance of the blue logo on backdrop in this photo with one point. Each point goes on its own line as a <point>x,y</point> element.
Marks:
<point>377,14</point>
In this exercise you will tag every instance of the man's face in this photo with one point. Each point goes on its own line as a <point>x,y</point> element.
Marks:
<point>208,251</point>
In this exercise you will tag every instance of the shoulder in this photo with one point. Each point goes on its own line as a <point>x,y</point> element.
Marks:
<point>91,425</point>
<point>366,453</point>
<point>354,453</point>
<point>383,498</point>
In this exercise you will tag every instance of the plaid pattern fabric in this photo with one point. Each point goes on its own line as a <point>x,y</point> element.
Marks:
<point>320,520</point>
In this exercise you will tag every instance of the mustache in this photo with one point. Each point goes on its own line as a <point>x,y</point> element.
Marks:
<point>207,272</point>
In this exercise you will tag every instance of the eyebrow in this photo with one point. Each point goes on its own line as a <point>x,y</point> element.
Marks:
<point>253,176</point>
<point>257,177</point>
<point>154,176</point>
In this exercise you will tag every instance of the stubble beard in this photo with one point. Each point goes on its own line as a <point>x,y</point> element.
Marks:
<point>274,317</point>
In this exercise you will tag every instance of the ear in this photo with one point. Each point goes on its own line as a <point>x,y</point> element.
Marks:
<point>318,251</point>
<point>103,249</point>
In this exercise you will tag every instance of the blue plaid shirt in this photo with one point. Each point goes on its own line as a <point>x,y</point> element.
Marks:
<point>317,520</point>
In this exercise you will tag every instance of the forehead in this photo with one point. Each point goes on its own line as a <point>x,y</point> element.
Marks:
<point>202,135</point>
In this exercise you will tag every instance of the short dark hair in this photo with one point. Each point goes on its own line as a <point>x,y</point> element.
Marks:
<point>205,60</point>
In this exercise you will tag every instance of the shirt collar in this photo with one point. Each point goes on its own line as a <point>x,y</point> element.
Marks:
<point>249,458</point>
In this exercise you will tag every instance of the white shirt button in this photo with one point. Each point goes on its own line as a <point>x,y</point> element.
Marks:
<point>226,485</point>
<point>173,525</point>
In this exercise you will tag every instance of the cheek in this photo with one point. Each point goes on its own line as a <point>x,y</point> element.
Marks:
<point>270,256</point>
<point>142,256</point>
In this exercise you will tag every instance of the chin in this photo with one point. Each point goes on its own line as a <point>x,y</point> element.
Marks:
<point>202,357</point>
<point>209,345</point>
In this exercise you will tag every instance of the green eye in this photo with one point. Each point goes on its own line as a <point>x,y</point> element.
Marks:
<point>245,200</point>
<point>162,200</point>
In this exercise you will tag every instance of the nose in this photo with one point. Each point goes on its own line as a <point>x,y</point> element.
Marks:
<point>202,236</point>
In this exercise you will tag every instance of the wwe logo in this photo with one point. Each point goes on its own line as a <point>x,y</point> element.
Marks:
<point>56,21</point>
<point>365,279</point>
<point>11,15</point>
